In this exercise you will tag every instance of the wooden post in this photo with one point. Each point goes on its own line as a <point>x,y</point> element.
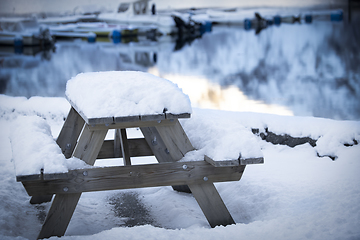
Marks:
<point>64,205</point>
<point>211,204</point>
<point>117,144</point>
<point>70,132</point>
<point>66,140</point>
<point>125,147</point>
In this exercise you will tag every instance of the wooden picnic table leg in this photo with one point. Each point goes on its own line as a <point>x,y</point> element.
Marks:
<point>66,140</point>
<point>161,152</point>
<point>124,146</point>
<point>63,206</point>
<point>173,141</point>
<point>211,204</point>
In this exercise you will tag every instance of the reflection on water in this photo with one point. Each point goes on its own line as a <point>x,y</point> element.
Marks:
<point>300,69</point>
<point>205,94</point>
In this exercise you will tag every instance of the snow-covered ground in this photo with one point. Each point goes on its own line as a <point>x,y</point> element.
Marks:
<point>294,195</point>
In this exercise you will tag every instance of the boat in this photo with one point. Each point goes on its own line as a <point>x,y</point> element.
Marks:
<point>20,32</point>
<point>137,13</point>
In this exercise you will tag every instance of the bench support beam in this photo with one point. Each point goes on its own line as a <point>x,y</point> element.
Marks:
<point>135,176</point>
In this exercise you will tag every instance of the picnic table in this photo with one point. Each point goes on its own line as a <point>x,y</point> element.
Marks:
<point>115,103</point>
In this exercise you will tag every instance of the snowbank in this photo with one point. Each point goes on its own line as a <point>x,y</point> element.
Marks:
<point>293,195</point>
<point>330,135</point>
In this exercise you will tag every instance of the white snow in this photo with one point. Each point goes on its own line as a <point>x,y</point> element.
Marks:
<point>293,195</point>
<point>35,150</point>
<point>219,137</point>
<point>125,93</point>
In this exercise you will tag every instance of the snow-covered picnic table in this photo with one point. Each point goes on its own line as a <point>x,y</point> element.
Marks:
<point>119,100</point>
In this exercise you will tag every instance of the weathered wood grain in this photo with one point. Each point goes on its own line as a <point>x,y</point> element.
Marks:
<point>175,139</point>
<point>134,124</point>
<point>248,161</point>
<point>224,163</point>
<point>137,176</point>
<point>138,147</point>
<point>58,218</point>
<point>156,144</point>
<point>89,145</point>
<point>116,146</point>
<point>70,132</point>
<point>125,147</point>
<point>208,198</point>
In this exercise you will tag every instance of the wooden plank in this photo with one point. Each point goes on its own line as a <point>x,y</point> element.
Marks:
<point>138,147</point>
<point>125,147</point>
<point>211,204</point>
<point>223,163</point>
<point>127,119</point>
<point>116,145</point>
<point>134,124</point>
<point>157,117</point>
<point>175,139</point>
<point>21,178</point>
<point>173,116</point>
<point>156,144</point>
<point>70,132</point>
<point>64,205</point>
<point>40,199</point>
<point>251,161</point>
<point>135,176</point>
<point>57,220</point>
<point>66,140</point>
<point>89,145</point>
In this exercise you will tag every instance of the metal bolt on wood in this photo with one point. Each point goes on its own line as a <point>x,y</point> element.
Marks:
<point>85,173</point>
<point>184,166</point>
<point>206,178</point>
<point>65,189</point>
<point>154,142</point>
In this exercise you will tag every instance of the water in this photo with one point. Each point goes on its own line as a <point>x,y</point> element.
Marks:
<point>291,69</point>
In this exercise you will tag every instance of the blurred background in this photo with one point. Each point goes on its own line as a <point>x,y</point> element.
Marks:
<point>298,58</point>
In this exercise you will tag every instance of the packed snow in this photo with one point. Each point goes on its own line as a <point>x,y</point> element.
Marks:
<point>125,93</point>
<point>35,151</point>
<point>294,195</point>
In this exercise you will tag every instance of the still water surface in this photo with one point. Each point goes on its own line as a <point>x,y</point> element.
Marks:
<point>291,69</point>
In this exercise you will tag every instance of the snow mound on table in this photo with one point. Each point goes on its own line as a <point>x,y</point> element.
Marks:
<point>34,148</point>
<point>125,93</point>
